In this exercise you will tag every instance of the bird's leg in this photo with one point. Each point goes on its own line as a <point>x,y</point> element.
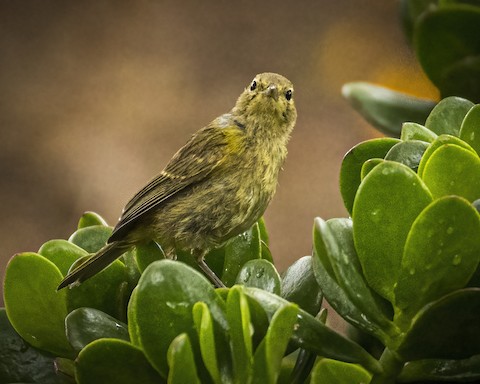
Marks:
<point>199,257</point>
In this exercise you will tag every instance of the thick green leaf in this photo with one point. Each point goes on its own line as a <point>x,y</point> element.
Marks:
<point>114,361</point>
<point>238,315</point>
<point>164,299</point>
<point>34,307</point>
<point>467,370</point>
<point>470,130</point>
<point>447,116</point>
<point>182,362</point>
<point>104,291</point>
<point>452,170</point>
<point>414,131</point>
<point>438,143</point>
<point>441,254</point>
<point>90,219</point>
<point>384,108</point>
<point>456,70</point>
<point>407,152</point>
<point>300,286</point>
<point>62,253</point>
<point>337,236</point>
<point>242,248</point>
<point>339,300</point>
<point>20,362</point>
<point>85,325</point>
<point>260,273</point>
<point>389,199</point>
<point>336,372</point>
<point>369,165</point>
<point>445,329</point>
<point>91,238</point>
<point>147,253</point>
<point>350,172</point>
<point>206,335</point>
<point>268,356</point>
<point>311,334</point>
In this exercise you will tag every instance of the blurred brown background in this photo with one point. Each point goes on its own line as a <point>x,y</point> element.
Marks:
<point>96,96</point>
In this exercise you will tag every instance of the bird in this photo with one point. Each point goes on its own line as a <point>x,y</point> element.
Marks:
<point>215,187</point>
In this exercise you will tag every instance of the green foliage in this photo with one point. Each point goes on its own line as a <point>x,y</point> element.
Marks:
<point>416,236</point>
<point>403,271</point>
<point>164,329</point>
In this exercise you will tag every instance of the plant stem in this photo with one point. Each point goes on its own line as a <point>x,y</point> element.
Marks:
<point>392,365</point>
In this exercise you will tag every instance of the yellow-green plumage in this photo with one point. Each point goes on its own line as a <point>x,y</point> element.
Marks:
<point>215,187</point>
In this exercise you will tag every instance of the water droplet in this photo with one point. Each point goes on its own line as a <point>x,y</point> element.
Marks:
<point>387,170</point>
<point>472,136</point>
<point>247,276</point>
<point>412,271</point>
<point>375,215</point>
<point>177,305</point>
<point>260,273</point>
<point>449,230</point>
<point>457,259</point>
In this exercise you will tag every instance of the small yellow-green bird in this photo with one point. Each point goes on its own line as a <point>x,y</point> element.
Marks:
<point>215,187</point>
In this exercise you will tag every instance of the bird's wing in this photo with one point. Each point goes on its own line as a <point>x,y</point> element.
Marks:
<point>192,163</point>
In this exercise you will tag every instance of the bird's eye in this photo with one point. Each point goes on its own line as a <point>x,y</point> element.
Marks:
<point>253,86</point>
<point>288,94</point>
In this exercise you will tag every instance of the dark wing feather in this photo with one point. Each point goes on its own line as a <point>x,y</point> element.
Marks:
<point>191,164</point>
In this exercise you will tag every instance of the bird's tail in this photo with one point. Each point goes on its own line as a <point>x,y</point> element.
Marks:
<point>95,263</point>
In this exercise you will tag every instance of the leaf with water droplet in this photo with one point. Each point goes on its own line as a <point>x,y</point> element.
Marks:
<point>260,273</point>
<point>397,195</point>
<point>443,248</point>
<point>447,116</point>
<point>453,170</point>
<point>311,334</point>
<point>162,309</point>
<point>333,240</point>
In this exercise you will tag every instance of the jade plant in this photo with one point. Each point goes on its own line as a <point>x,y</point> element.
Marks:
<point>145,319</point>
<point>402,270</point>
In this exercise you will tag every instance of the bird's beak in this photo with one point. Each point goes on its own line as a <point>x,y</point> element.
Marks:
<point>272,91</point>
